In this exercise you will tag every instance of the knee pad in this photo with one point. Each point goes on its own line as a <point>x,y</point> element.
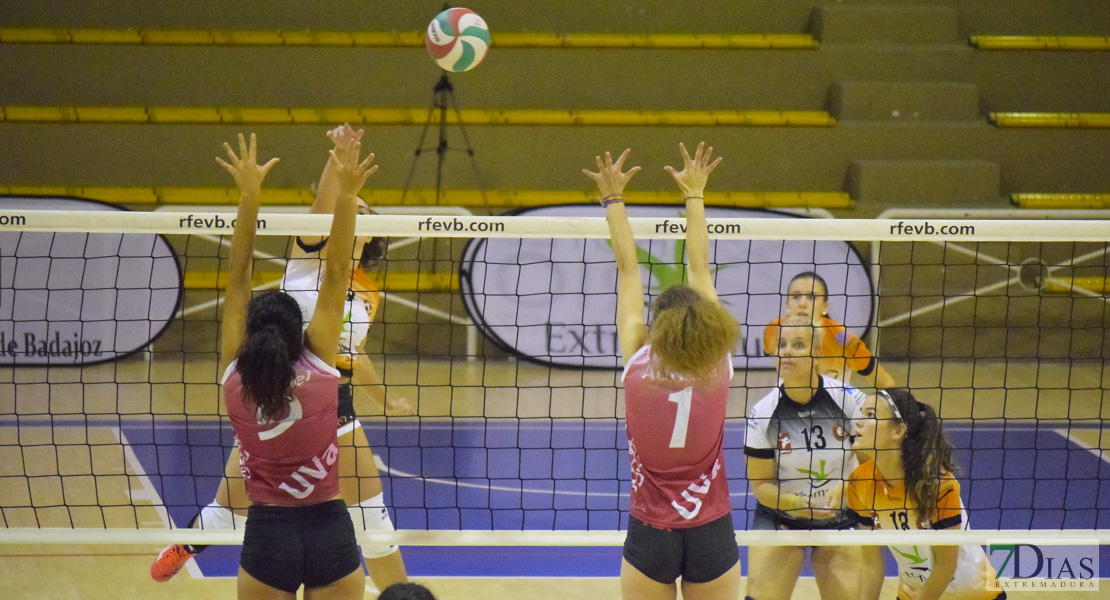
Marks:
<point>371,515</point>
<point>215,516</point>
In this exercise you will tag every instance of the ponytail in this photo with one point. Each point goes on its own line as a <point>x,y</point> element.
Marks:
<point>265,362</point>
<point>372,253</point>
<point>926,452</point>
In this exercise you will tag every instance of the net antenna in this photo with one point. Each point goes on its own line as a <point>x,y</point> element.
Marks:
<point>443,98</point>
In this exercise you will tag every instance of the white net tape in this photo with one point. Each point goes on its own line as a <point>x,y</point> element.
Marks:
<point>907,230</point>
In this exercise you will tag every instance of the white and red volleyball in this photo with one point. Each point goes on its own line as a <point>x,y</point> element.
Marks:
<point>457,39</point>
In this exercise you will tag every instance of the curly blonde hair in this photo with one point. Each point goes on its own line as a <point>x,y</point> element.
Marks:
<point>690,334</point>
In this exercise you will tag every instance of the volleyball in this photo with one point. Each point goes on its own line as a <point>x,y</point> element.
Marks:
<point>457,39</point>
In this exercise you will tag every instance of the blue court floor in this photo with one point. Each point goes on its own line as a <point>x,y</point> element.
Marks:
<point>572,474</point>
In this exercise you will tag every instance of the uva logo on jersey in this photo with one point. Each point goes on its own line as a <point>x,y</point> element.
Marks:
<point>839,432</point>
<point>701,488</point>
<point>317,470</point>
<point>784,443</point>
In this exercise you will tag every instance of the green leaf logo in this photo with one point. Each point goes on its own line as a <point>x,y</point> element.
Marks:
<point>819,475</point>
<point>915,558</point>
<point>663,274</point>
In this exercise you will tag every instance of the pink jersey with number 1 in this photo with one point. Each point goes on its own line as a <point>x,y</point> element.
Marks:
<point>675,432</point>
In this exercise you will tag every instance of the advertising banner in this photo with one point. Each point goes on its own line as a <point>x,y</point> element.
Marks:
<point>553,301</point>
<point>81,298</point>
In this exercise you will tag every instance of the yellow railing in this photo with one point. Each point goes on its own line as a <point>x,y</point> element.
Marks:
<point>1096,285</point>
<point>411,116</point>
<point>1063,201</point>
<point>400,39</point>
<point>1037,119</point>
<point>1040,42</point>
<point>424,197</point>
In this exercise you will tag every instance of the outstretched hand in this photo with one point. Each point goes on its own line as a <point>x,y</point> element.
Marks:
<point>396,406</point>
<point>244,168</point>
<point>609,178</point>
<point>352,174</point>
<point>691,180</point>
<point>345,136</point>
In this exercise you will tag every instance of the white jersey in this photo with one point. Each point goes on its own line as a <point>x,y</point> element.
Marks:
<point>810,442</point>
<point>302,282</point>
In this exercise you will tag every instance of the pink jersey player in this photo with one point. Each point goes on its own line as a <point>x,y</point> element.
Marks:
<point>280,388</point>
<point>290,461</point>
<point>676,384</point>
<point>675,431</point>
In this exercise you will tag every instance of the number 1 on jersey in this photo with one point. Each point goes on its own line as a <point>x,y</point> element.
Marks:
<point>682,416</point>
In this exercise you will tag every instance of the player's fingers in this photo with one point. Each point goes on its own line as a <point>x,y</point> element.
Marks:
<point>227,167</point>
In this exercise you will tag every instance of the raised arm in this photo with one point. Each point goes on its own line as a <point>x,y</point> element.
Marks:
<point>691,180</point>
<point>322,334</point>
<point>248,175</point>
<point>631,329</point>
<point>328,188</point>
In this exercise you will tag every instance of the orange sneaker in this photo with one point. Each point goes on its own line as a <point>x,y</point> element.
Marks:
<point>169,562</point>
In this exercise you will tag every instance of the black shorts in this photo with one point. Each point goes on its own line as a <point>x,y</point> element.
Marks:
<point>769,519</point>
<point>699,554</point>
<point>289,546</point>
<point>346,412</point>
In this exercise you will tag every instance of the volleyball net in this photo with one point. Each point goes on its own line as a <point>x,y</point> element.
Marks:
<point>500,331</point>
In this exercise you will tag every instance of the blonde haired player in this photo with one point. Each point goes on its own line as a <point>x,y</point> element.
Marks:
<point>676,385</point>
<point>799,452</point>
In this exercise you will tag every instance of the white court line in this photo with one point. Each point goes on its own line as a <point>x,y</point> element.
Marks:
<point>946,302</point>
<point>150,494</point>
<point>219,300</point>
<point>976,254</point>
<point>1004,427</point>
<point>440,423</point>
<point>1098,452</point>
<point>499,488</point>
